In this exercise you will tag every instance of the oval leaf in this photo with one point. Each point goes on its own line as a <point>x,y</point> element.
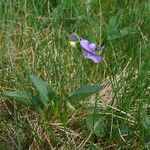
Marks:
<point>96,125</point>
<point>83,92</point>
<point>43,88</point>
<point>24,98</point>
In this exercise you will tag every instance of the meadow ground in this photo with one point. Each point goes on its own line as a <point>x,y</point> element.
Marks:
<point>35,56</point>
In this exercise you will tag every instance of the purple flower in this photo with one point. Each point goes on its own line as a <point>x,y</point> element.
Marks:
<point>74,38</point>
<point>89,50</point>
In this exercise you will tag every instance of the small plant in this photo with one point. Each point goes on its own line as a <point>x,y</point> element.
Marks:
<point>112,29</point>
<point>47,100</point>
<point>47,96</point>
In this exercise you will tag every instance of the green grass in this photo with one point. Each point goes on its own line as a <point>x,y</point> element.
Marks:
<point>34,39</point>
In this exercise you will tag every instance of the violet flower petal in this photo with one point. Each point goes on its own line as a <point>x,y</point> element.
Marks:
<point>92,46</point>
<point>90,55</point>
<point>85,45</point>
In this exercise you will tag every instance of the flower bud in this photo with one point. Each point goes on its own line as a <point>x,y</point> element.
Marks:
<point>73,44</point>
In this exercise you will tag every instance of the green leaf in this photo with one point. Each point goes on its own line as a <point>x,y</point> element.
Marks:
<point>46,93</point>
<point>24,98</point>
<point>83,92</point>
<point>112,29</point>
<point>114,22</point>
<point>114,34</point>
<point>96,125</point>
<point>127,30</point>
<point>120,33</point>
